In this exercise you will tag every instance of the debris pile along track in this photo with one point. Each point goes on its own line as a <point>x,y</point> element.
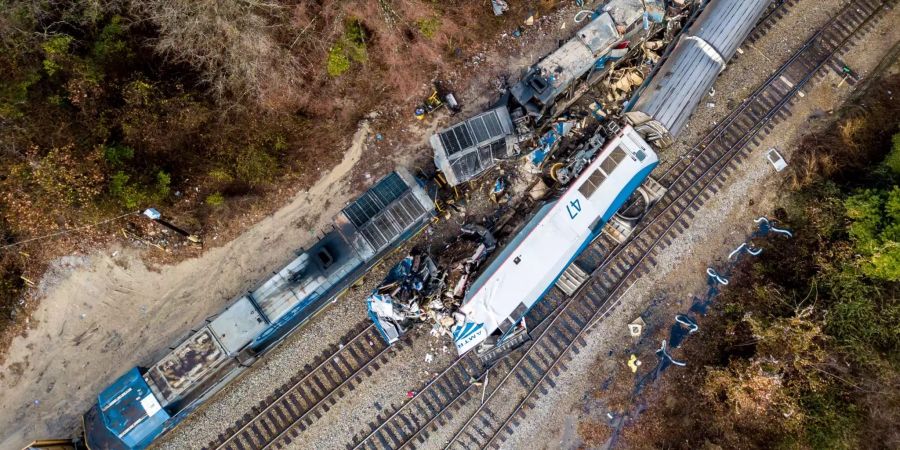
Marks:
<point>698,179</point>
<point>412,422</point>
<point>309,394</point>
<point>690,182</point>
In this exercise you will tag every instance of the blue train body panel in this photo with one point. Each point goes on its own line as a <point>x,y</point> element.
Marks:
<point>127,415</point>
<point>145,403</point>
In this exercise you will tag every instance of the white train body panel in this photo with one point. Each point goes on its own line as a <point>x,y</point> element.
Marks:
<point>529,265</point>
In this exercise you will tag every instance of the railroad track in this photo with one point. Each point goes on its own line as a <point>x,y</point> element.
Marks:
<point>775,12</point>
<point>698,179</point>
<point>690,182</point>
<point>309,394</point>
<point>284,415</point>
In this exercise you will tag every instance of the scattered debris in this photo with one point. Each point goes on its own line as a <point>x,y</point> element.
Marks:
<point>499,6</point>
<point>548,143</point>
<point>633,363</point>
<point>775,158</point>
<point>498,190</point>
<point>408,293</point>
<point>439,97</point>
<point>636,327</point>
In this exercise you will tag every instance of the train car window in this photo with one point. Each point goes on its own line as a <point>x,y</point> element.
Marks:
<point>608,165</point>
<point>617,155</point>
<point>597,178</point>
<point>591,184</point>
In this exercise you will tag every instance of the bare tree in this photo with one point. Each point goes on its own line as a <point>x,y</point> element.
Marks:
<point>233,43</point>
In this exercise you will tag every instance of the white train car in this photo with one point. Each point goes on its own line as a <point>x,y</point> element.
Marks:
<point>528,265</point>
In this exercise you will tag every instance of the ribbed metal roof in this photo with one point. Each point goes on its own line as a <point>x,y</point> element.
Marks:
<point>690,71</point>
<point>679,85</point>
<point>724,24</point>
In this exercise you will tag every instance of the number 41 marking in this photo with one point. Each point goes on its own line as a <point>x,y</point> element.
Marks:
<point>574,207</point>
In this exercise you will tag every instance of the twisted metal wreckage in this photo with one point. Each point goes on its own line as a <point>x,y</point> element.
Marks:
<point>609,57</point>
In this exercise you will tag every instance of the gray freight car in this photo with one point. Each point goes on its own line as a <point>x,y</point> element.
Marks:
<point>661,109</point>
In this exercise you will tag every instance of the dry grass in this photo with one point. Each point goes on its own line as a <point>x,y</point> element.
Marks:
<point>846,147</point>
<point>273,53</point>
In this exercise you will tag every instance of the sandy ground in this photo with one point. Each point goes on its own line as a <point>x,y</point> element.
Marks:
<point>105,312</point>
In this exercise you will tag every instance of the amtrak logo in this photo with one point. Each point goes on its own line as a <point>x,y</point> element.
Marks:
<point>468,335</point>
<point>465,330</point>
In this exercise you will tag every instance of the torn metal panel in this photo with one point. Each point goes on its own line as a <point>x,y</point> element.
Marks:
<point>554,74</point>
<point>465,150</point>
<point>626,12</point>
<point>386,320</point>
<point>406,294</point>
<point>548,143</point>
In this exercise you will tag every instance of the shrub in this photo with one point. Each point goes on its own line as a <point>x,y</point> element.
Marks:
<point>893,157</point>
<point>355,40</point>
<point>220,175</point>
<point>429,27</point>
<point>255,166</point>
<point>350,47</point>
<point>128,195</point>
<point>830,421</point>
<point>338,62</point>
<point>69,176</point>
<point>117,155</point>
<point>56,50</point>
<point>215,199</point>
<point>163,185</point>
<point>864,211</point>
<point>15,94</point>
<point>110,45</point>
<point>132,195</point>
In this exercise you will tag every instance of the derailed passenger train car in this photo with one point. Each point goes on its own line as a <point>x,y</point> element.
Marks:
<point>529,265</point>
<point>660,109</point>
<point>145,402</point>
